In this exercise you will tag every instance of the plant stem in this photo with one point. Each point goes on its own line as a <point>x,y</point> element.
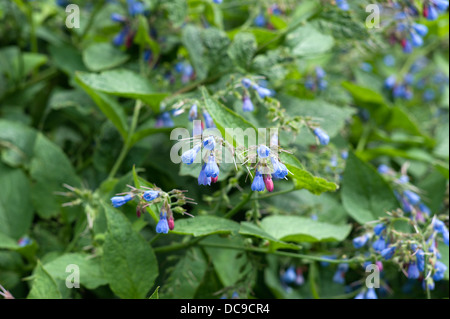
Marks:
<point>126,147</point>
<point>283,253</point>
<point>170,248</point>
<point>235,210</point>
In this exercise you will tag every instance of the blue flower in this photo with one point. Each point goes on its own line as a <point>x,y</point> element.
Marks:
<point>235,295</point>
<point>360,241</point>
<point>421,29</point>
<point>439,226</point>
<point>431,12</point>
<point>325,263</point>
<point>343,5</point>
<point>263,92</point>
<point>407,46</point>
<point>383,169</point>
<point>119,39</point>
<point>164,120</point>
<point>135,7</point>
<point>367,67</point>
<point>429,95</point>
<point>202,178</point>
<point>416,39</point>
<point>361,295</point>
<point>289,276</point>
<point>147,55</point>
<point>390,82</point>
<point>388,253</point>
<point>420,256</point>
<point>279,169</point>
<point>260,20</point>
<point>413,271</point>
<point>193,113</point>
<point>258,183</point>
<point>218,1</point>
<point>371,294</point>
<point>163,226</point>
<point>211,169</point>
<point>246,83</point>
<point>339,275</point>
<point>389,60</point>
<point>440,269</point>
<point>379,245</point>
<point>320,72</point>
<point>404,179</point>
<point>322,84</point>
<point>344,155</point>
<point>445,237</point>
<point>442,5</point>
<point>263,151</point>
<point>379,228</point>
<point>209,143</point>
<point>247,105</point>
<point>150,195</point>
<point>412,197</point>
<point>118,201</point>
<point>208,120</point>
<point>118,18</point>
<point>323,137</point>
<point>24,241</point>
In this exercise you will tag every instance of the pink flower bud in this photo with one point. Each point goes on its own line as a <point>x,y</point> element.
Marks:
<point>171,223</point>
<point>214,179</point>
<point>269,182</point>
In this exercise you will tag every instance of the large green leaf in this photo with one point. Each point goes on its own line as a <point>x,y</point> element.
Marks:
<point>365,194</point>
<point>129,264</point>
<point>124,83</point>
<point>205,225</point>
<point>192,39</point>
<point>91,274</point>
<point>103,56</point>
<point>250,229</point>
<point>7,242</point>
<point>16,211</point>
<point>307,41</point>
<point>301,229</point>
<point>242,49</point>
<point>44,286</point>
<point>186,276</point>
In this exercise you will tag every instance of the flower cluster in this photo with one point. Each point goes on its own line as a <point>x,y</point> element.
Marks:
<point>432,8</point>
<point>292,276</point>
<point>170,202</point>
<point>401,89</point>
<point>408,34</point>
<point>127,32</point>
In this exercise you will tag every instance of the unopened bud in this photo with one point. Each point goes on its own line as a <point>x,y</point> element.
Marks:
<point>171,223</point>
<point>268,182</point>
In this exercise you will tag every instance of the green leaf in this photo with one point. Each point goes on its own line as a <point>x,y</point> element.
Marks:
<point>365,194</point>
<point>44,286</point>
<point>243,49</point>
<point>16,211</point>
<point>204,226</point>
<point>301,229</point>
<point>143,38</point>
<point>155,294</point>
<point>223,258</point>
<point>250,229</point>
<point>129,264</point>
<point>306,41</point>
<point>110,108</point>
<point>443,249</point>
<point>186,276</point>
<point>124,83</point>
<point>7,242</point>
<point>91,274</point>
<point>192,40</point>
<point>103,56</point>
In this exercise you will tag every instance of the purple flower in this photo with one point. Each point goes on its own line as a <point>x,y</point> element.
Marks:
<point>263,92</point>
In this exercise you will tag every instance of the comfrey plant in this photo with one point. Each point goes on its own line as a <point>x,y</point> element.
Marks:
<point>168,202</point>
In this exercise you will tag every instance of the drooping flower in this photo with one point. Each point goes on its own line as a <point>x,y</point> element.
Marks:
<point>279,169</point>
<point>247,105</point>
<point>323,137</point>
<point>371,294</point>
<point>343,5</point>
<point>263,151</point>
<point>188,157</point>
<point>413,271</point>
<point>208,120</point>
<point>116,17</point>
<point>135,7</point>
<point>247,83</point>
<point>420,256</point>
<point>209,143</point>
<point>289,276</point>
<point>440,269</point>
<point>193,113</point>
<point>389,252</point>
<point>379,228</point>
<point>118,201</point>
<point>379,245</point>
<point>258,183</point>
<point>339,276</point>
<point>150,195</point>
<point>162,227</point>
<point>212,169</point>
<point>412,197</point>
<point>360,241</point>
<point>202,178</point>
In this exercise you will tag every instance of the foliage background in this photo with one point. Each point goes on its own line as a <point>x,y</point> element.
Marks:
<point>67,99</point>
